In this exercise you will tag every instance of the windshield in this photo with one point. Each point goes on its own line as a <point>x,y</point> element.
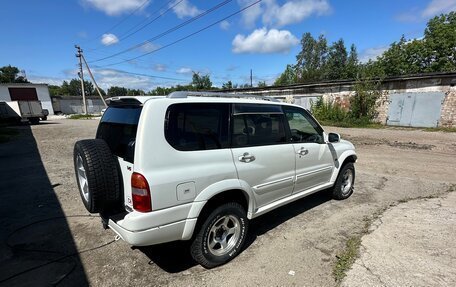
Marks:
<point>118,128</point>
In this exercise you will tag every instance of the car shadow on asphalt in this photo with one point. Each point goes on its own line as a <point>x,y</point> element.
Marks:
<point>37,247</point>
<point>174,257</point>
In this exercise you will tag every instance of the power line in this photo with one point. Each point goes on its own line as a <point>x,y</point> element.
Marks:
<point>153,20</point>
<point>126,35</point>
<point>151,76</point>
<point>175,28</point>
<point>123,19</point>
<point>186,37</point>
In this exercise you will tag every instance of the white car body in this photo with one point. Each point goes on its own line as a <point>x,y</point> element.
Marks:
<point>182,182</point>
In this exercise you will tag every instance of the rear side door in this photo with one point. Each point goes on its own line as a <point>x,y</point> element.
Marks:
<point>261,154</point>
<point>314,161</point>
<point>118,128</point>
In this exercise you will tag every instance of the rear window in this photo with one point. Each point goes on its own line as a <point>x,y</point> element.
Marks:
<point>118,128</point>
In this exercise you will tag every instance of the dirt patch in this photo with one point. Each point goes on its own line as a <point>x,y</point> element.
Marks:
<point>365,141</point>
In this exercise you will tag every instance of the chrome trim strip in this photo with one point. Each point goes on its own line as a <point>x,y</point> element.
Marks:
<point>314,171</point>
<point>272,182</point>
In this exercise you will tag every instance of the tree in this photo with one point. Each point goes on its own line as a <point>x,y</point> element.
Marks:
<point>262,84</point>
<point>135,92</point>
<point>351,69</point>
<point>312,58</point>
<point>10,74</point>
<point>440,42</point>
<point>116,91</point>
<point>288,77</point>
<point>336,63</point>
<point>227,86</point>
<point>201,82</point>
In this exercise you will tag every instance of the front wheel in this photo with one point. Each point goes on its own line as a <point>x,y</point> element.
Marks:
<point>221,236</point>
<point>344,185</point>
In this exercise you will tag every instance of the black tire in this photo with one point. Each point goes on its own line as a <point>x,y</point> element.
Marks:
<point>340,191</point>
<point>102,172</point>
<point>34,121</point>
<point>44,118</point>
<point>200,249</point>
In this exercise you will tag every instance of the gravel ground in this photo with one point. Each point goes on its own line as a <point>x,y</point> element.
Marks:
<point>295,245</point>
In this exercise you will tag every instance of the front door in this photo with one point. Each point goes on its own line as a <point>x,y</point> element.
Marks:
<point>261,154</point>
<point>314,162</point>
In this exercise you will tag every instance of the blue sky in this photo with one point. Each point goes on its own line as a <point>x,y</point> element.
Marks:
<point>39,36</point>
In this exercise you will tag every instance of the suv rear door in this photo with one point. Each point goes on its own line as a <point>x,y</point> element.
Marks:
<point>118,128</point>
<point>261,154</point>
<point>314,161</point>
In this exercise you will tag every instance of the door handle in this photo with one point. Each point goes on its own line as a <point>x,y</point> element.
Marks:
<point>246,157</point>
<point>303,151</point>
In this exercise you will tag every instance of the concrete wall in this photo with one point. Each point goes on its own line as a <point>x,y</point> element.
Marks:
<point>41,90</point>
<point>341,91</point>
<point>73,105</point>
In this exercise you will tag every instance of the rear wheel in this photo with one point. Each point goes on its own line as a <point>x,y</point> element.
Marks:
<point>221,236</point>
<point>344,186</point>
<point>97,175</point>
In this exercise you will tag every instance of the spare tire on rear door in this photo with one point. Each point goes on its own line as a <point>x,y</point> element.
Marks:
<point>98,176</point>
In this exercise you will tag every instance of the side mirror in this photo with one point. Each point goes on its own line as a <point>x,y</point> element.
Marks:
<point>333,137</point>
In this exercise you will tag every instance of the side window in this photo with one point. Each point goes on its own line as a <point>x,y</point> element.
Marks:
<point>254,129</point>
<point>302,127</point>
<point>190,127</point>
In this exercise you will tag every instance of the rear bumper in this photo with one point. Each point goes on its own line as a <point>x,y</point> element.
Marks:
<point>165,225</point>
<point>160,234</point>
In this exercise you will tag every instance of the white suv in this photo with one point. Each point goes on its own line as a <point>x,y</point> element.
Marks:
<point>198,166</point>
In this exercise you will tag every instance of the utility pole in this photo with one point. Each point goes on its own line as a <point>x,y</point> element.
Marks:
<point>81,76</point>
<point>251,78</point>
<point>93,80</point>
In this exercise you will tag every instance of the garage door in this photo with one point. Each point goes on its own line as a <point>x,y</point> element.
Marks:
<point>415,109</point>
<point>23,94</point>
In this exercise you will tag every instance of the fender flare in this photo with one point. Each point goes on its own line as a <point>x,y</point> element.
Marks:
<point>340,162</point>
<point>209,192</point>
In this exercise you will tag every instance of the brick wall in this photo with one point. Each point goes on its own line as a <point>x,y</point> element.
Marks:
<point>448,112</point>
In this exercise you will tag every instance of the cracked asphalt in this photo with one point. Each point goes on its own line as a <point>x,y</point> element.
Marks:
<point>295,245</point>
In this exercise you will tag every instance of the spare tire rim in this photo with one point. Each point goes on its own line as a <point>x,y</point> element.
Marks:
<point>224,235</point>
<point>347,181</point>
<point>82,177</point>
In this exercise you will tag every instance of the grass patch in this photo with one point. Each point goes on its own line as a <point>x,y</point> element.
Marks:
<point>352,124</point>
<point>346,258</point>
<point>82,117</point>
<point>6,134</point>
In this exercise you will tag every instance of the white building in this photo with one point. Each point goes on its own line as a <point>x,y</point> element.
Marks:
<point>26,92</point>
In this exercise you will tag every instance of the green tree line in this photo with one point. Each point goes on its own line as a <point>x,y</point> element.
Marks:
<point>318,61</point>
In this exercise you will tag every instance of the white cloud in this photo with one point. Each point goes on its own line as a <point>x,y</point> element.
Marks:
<point>224,25</point>
<point>160,67</point>
<point>435,7</point>
<point>109,39</point>
<point>148,47</point>
<point>438,6</point>
<point>184,9</point>
<point>250,15</point>
<point>45,80</point>
<point>294,11</point>
<point>276,15</point>
<point>113,77</point>
<point>115,7</point>
<point>185,71</point>
<point>264,41</point>
<point>372,53</point>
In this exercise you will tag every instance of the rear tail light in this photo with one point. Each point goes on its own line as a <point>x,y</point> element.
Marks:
<point>140,193</point>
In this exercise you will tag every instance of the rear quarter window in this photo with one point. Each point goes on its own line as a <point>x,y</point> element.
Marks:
<point>193,126</point>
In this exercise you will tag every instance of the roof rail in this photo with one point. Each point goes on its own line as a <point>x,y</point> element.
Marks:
<point>186,94</point>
